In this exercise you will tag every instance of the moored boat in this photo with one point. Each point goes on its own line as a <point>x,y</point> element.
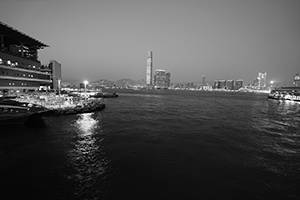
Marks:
<point>284,94</point>
<point>14,112</point>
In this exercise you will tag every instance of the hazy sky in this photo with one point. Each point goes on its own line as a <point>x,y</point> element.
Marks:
<point>109,39</point>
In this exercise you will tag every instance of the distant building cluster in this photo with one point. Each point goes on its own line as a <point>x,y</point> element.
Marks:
<point>228,84</point>
<point>161,78</point>
<point>260,83</point>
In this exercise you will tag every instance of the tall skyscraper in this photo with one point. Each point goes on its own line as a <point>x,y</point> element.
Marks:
<point>149,68</point>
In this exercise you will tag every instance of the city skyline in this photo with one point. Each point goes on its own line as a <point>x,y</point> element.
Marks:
<point>219,39</point>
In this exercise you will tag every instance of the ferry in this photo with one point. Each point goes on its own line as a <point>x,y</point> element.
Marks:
<point>285,93</point>
<point>14,112</point>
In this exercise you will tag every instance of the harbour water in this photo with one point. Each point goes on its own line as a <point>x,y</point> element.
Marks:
<point>163,145</point>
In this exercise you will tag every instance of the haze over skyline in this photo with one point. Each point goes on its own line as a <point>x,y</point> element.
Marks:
<point>221,39</point>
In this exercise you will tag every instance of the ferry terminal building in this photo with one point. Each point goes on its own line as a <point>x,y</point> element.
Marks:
<point>20,69</point>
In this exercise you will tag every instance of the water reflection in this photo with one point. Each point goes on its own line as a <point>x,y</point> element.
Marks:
<point>88,162</point>
<point>277,136</point>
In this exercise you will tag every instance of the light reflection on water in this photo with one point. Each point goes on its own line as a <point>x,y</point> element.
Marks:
<point>87,158</point>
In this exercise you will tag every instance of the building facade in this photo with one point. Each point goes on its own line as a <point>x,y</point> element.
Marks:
<point>168,79</point>
<point>238,84</point>
<point>219,84</point>
<point>297,80</point>
<point>149,68</point>
<point>262,80</point>
<point>203,81</point>
<point>54,69</point>
<point>20,68</point>
<point>229,84</point>
<point>160,78</point>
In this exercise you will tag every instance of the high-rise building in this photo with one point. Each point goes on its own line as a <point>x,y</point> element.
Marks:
<point>203,81</point>
<point>262,80</point>
<point>219,84</point>
<point>238,84</point>
<point>297,80</point>
<point>149,68</point>
<point>229,84</point>
<point>160,78</point>
<point>168,79</point>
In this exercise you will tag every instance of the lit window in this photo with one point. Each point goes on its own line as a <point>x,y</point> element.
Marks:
<point>1,61</point>
<point>8,62</point>
<point>23,74</point>
<point>16,63</point>
<point>33,67</point>
<point>8,83</point>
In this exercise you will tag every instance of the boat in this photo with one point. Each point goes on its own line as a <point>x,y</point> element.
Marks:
<point>287,95</point>
<point>15,112</point>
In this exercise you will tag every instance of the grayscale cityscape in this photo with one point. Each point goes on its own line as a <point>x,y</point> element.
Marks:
<point>169,99</point>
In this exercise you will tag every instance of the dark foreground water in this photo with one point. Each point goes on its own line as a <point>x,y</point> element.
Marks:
<point>168,145</point>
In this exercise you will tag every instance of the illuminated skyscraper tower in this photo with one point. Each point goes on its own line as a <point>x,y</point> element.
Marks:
<point>149,68</point>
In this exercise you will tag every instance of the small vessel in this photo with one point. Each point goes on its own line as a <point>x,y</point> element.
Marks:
<point>15,112</point>
<point>284,95</point>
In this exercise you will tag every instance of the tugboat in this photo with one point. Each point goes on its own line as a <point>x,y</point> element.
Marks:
<point>15,112</point>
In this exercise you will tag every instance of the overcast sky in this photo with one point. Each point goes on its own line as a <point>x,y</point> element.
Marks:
<point>109,39</point>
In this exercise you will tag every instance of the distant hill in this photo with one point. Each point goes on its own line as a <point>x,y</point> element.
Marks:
<point>103,82</point>
<point>125,82</point>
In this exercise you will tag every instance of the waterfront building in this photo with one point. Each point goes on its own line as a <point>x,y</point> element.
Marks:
<point>149,68</point>
<point>54,69</point>
<point>20,68</point>
<point>297,80</point>
<point>203,81</point>
<point>168,79</point>
<point>262,80</point>
<point>219,84</point>
<point>160,78</point>
<point>238,84</point>
<point>230,84</point>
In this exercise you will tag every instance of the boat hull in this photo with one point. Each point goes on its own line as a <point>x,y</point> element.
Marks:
<point>16,119</point>
<point>285,98</point>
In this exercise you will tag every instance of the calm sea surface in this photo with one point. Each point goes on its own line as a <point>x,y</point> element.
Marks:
<point>163,145</point>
